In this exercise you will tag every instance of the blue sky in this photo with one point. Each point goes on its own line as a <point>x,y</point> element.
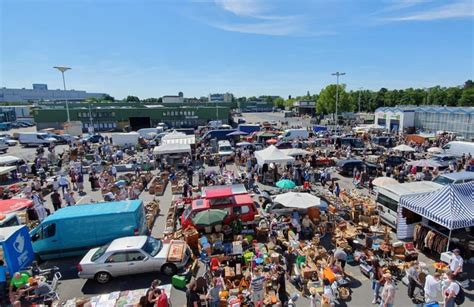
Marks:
<point>247,47</point>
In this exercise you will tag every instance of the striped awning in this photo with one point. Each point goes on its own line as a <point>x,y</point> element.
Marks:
<point>451,207</point>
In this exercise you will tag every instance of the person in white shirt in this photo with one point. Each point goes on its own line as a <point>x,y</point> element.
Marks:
<point>432,287</point>
<point>451,292</point>
<point>456,263</point>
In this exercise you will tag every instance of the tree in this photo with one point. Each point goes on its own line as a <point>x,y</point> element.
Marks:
<point>326,102</point>
<point>467,98</point>
<point>279,103</point>
<point>468,84</point>
<point>132,99</point>
<point>107,97</point>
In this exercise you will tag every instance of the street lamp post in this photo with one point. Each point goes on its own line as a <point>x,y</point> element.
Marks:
<point>337,74</point>
<point>360,89</point>
<point>62,69</point>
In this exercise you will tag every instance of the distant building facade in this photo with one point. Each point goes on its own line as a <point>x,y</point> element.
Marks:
<point>305,107</point>
<point>118,116</point>
<point>459,120</point>
<point>40,92</point>
<point>173,99</point>
<point>7,114</point>
<point>227,97</point>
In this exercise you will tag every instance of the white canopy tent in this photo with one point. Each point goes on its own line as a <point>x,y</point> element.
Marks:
<point>403,148</point>
<point>178,138</point>
<point>6,169</point>
<point>8,160</point>
<point>295,152</point>
<point>166,149</point>
<point>271,154</point>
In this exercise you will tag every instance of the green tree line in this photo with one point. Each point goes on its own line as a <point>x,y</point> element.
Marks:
<point>370,100</point>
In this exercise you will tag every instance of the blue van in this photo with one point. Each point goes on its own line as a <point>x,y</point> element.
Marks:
<point>72,231</point>
<point>219,134</point>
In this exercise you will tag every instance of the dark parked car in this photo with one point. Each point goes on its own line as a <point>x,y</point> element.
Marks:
<point>346,167</point>
<point>394,161</point>
<point>96,138</point>
<point>284,145</point>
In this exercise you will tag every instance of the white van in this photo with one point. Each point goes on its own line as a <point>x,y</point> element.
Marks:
<point>125,139</point>
<point>291,134</point>
<point>458,148</point>
<point>35,139</point>
<point>224,148</point>
<point>388,198</point>
<point>454,178</point>
<point>3,145</point>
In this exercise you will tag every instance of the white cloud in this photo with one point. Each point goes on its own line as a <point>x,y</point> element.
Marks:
<point>242,7</point>
<point>264,28</point>
<point>454,10</point>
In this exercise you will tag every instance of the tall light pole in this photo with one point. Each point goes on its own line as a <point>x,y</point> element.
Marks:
<point>337,74</point>
<point>360,89</point>
<point>62,69</point>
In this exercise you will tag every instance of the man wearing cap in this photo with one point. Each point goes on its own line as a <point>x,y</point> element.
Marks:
<point>388,291</point>
<point>456,264</point>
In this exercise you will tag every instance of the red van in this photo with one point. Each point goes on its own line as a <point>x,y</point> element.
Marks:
<point>223,198</point>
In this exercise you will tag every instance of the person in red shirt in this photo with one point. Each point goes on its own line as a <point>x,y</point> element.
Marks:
<point>162,298</point>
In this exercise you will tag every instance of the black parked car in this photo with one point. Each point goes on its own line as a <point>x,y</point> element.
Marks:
<point>346,167</point>
<point>394,161</point>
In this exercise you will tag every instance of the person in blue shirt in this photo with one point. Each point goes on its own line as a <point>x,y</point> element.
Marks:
<point>3,283</point>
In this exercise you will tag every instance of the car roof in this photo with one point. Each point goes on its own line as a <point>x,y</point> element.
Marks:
<point>459,175</point>
<point>127,243</point>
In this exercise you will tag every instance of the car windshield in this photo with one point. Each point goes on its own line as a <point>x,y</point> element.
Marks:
<point>225,148</point>
<point>152,246</point>
<point>443,180</point>
<point>99,252</point>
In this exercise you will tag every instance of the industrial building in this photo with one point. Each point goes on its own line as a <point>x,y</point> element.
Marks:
<point>120,116</point>
<point>214,98</point>
<point>40,92</point>
<point>459,120</point>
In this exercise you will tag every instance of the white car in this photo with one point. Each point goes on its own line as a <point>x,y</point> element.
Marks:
<point>9,141</point>
<point>134,255</point>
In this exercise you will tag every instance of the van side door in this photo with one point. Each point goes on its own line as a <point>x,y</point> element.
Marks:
<point>46,241</point>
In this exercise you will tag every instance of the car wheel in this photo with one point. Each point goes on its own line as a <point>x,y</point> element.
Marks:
<point>102,277</point>
<point>38,258</point>
<point>169,269</point>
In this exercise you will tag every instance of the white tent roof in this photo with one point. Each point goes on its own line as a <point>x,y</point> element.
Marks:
<point>298,200</point>
<point>6,169</point>
<point>8,160</point>
<point>403,147</point>
<point>171,149</point>
<point>295,152</point>
<point>272,154</point>
<point>178,138</point>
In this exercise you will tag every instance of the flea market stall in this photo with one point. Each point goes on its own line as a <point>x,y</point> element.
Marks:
<point>442,213</point>
<point>271,156</point>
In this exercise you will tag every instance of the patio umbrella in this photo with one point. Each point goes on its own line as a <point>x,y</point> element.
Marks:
<point>286,184</point>
<point>383,181</point>
<point>209,217</point>
<point>435,150</point>
<point>272,141</point>
<point>424,163</point>
<point>243,144</point>
<point>237,133</point>
<point>403,148</point>
<point>298,200</point>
